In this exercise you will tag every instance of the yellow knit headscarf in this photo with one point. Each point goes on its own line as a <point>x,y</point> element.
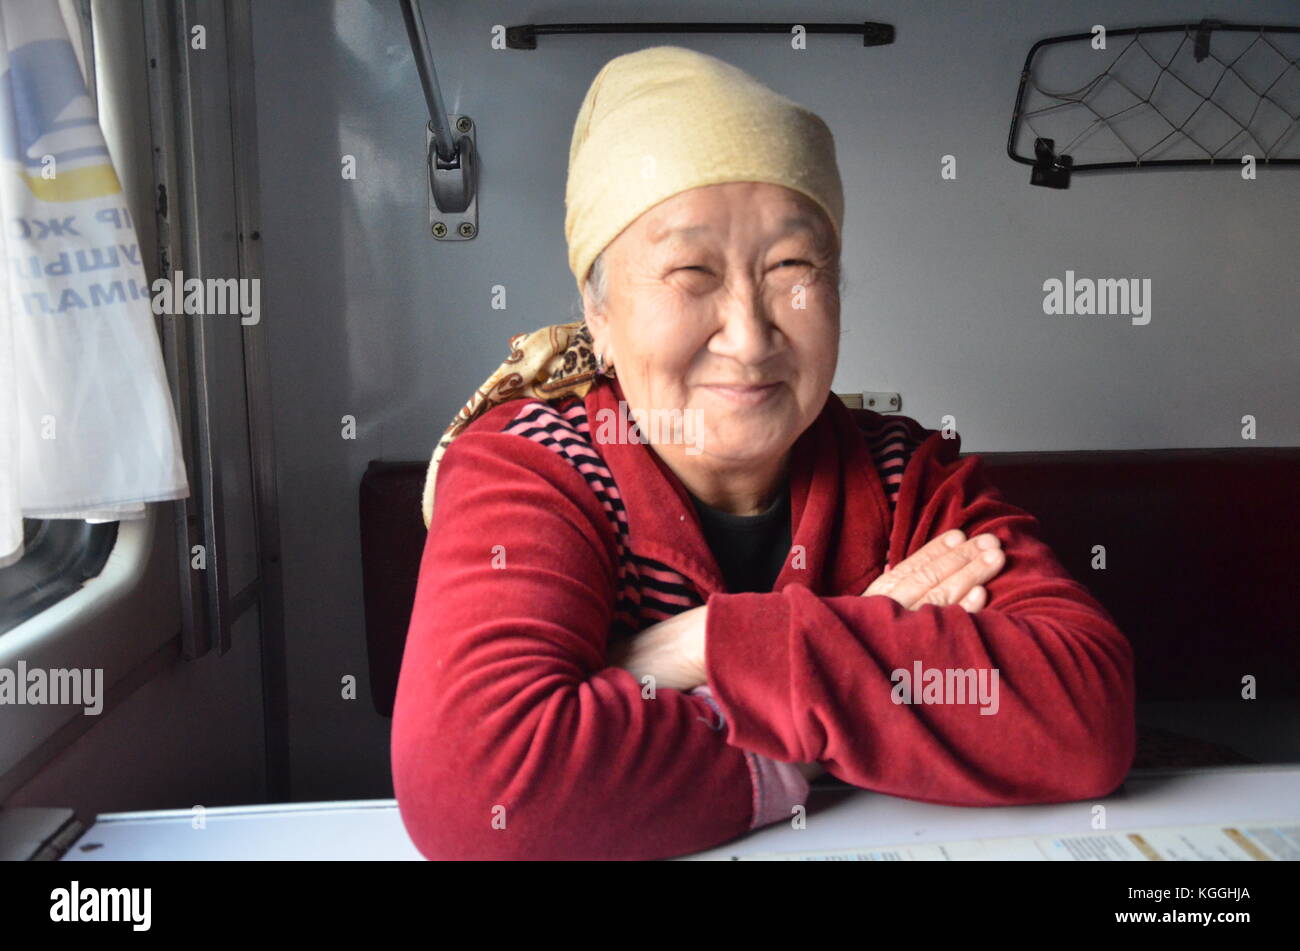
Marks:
<point>654,123</point>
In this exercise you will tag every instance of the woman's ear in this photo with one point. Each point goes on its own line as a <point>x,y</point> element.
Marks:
<point>597,323</point>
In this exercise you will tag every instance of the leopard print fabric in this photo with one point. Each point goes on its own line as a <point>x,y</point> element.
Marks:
<point>549,362</point>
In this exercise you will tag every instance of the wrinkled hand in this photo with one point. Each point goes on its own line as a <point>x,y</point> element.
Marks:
<point>950,569</point>
<point>671,651</point>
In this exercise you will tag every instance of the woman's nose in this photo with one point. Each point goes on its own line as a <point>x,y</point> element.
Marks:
<point>746,333</point>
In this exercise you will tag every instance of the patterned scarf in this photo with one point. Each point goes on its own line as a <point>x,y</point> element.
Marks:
<point>547,363</point>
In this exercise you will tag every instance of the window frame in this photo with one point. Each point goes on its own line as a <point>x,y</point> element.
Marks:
<point>59,556</point>
<point>114,623</point>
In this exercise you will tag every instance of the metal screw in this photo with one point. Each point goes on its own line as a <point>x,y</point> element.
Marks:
<point>439,229</point>
<point>463,124</point>
<point>466,229</point>
<point>871,402</point>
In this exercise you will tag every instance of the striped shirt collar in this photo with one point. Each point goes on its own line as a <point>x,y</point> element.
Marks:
<point>837,503</point>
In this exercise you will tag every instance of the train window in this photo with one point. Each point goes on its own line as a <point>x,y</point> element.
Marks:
<point>59,556</point>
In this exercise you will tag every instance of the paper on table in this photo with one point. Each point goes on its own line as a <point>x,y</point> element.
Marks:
<point>1215,843</point>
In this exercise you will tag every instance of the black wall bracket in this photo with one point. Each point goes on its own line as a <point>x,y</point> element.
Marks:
<point>1050,170</point>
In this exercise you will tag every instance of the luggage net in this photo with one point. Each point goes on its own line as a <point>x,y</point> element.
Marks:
<point>1193,94</point>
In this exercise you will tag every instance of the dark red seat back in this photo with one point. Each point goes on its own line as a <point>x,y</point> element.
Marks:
<point>1202,558</point>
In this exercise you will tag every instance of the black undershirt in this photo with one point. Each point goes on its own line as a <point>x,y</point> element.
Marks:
<point>750,549</point>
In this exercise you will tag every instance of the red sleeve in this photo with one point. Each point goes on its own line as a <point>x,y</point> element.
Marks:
<point>802,677</point>
<point>511,737</point>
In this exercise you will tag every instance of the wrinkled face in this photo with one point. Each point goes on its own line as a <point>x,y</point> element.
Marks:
<point>731,285</point>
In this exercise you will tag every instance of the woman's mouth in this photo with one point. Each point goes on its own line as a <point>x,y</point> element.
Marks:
<point>744,395</point>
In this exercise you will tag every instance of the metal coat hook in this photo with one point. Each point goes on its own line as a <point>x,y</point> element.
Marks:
<point>450,146</point>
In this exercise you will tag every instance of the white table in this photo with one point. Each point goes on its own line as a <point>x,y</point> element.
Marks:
<point>839,819</point>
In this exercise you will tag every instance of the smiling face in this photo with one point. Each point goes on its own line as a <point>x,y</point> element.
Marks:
<point>731,285</point>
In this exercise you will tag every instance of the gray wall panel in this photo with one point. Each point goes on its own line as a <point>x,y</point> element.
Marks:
<point>190,736</point>
<point>373,318</point>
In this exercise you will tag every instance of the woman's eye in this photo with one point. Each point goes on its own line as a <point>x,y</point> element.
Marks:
<point>794,262</point>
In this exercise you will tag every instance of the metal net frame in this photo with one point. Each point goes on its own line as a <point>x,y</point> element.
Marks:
<point>1115,96</point>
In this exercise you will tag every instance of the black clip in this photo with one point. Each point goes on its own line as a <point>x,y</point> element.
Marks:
<point>1050,170</point>
<point>877,34</point>
<point>521,37</point>
<point>1203,29</point>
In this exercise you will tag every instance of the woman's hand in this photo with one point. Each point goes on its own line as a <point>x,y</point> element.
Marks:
<point>947,570</point>
<point>672,651</point>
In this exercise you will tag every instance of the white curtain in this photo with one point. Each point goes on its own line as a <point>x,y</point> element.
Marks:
<point>87,427</point>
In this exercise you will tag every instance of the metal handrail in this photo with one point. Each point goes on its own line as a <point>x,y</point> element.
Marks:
<point>524,36</point>
<point>444,143</point>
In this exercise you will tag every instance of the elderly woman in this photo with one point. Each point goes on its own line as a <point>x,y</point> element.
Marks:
<point>632,644</point>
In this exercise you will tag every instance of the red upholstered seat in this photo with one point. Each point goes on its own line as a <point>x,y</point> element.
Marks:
<point>392,543</point>
<point>1202,554</point>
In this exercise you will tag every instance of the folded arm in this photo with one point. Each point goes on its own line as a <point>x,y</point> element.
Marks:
<point>802,677</point>
<point>511,737</point>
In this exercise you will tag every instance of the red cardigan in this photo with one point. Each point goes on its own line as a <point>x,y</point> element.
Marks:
<point>512,738</point>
